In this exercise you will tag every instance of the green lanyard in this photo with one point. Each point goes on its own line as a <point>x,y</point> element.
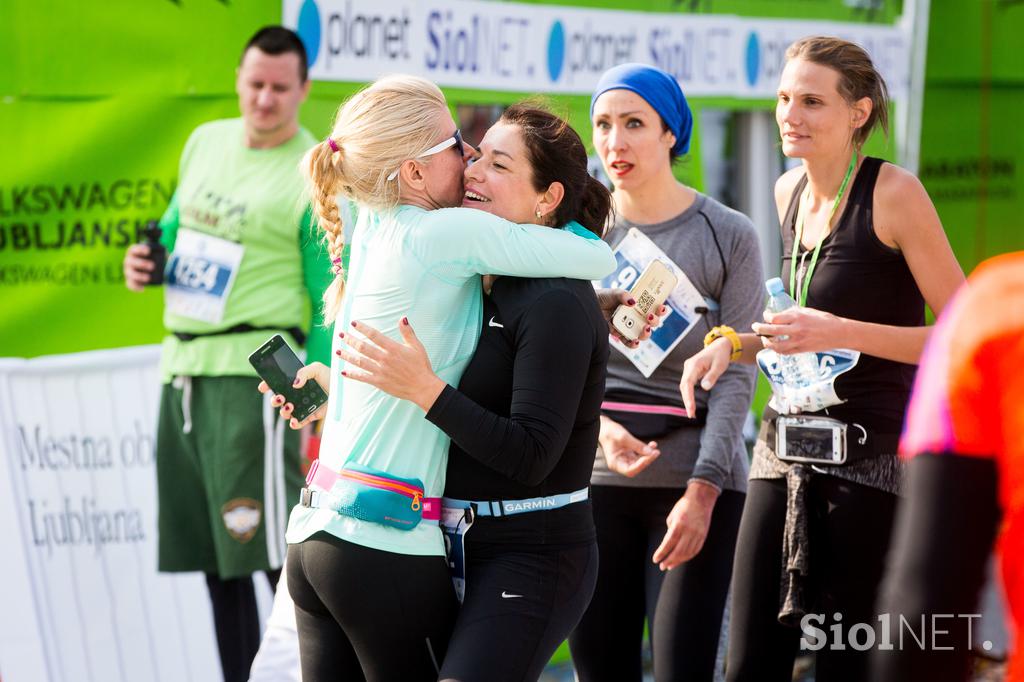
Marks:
<point>806,283</point>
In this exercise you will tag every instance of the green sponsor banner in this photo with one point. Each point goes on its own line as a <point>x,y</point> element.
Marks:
<point>89,174</point>
<point>971,41</point>
<point>93,117</point>
<point>971,150</point>
<point>972,141</point>
<point>96,101</point>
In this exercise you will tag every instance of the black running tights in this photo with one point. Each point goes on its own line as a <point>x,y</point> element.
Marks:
<point>236,621</point>
<point>683,607</point>
<point>367,614</point>
<point>849,527</point>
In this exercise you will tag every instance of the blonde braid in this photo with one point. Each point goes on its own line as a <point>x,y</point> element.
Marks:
<point>374,132</point>
<point>321,168</point>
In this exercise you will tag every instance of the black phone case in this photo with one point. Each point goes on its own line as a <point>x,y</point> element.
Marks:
<point>306,400</point>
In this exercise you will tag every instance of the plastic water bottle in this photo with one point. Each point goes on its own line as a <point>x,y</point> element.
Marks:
<point>799,369</point>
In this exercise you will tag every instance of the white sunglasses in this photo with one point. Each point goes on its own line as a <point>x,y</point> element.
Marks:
<point>454,140</point>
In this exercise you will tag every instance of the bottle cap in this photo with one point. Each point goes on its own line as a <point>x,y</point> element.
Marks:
<point>152,230</point>
<point>775,286</point>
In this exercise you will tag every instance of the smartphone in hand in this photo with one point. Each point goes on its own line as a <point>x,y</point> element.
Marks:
<point>650,291</point>
<point>277,364</point>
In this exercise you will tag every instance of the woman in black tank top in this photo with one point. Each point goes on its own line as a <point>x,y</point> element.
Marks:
<point>869,252</point>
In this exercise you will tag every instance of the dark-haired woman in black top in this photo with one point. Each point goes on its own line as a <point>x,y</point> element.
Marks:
<point>864,252</point>
<point>525,418</point>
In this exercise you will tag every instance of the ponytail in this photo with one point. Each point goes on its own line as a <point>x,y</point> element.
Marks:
<point>321,166</point>
<point>394,119</point>
<point>596,211</point>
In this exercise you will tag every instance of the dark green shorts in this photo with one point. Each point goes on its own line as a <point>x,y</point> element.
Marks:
<point>228,474</point>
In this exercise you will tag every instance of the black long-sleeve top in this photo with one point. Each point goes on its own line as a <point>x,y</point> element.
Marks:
<point>525,419</point>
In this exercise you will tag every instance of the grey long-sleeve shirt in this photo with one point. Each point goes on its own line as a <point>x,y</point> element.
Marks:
<point>716,452</point>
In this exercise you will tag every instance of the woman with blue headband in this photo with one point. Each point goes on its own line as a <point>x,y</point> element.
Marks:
<point>667,491</point>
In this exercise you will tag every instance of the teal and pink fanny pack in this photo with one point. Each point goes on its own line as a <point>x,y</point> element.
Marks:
<point>370,495</point>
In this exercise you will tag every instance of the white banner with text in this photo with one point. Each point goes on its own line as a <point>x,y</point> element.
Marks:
<point>81,597</point>
<point>548,48</point>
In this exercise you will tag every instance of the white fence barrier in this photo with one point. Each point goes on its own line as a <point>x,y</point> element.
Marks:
<point>80,597</point>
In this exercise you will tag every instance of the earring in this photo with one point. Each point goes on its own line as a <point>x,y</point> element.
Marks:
<point>539,216</point>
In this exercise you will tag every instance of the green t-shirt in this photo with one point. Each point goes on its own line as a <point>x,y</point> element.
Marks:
<point>425,265</point>
<point>243,249</point>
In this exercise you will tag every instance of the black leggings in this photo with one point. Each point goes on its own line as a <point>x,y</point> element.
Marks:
<point>519,606</point>
<point>367,614</point>
<point>683,606</point>
<point>849,527</point>
<point>236,621</point>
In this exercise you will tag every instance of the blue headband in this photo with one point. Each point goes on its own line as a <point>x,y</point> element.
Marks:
<point>658,89</point>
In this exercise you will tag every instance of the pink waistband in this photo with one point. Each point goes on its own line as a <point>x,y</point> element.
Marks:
<point>643,409</point>
<point>324,478</point>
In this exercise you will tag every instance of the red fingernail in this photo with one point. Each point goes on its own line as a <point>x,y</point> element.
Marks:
<point>295,383</point>
<point>341,335</point>
<point>344,373</point>
<point>631,302</point>
<point>647,330</point>
<point>353,323</point>
<point>650,317</point>
<point>405,321</point>
<point>338,353</point>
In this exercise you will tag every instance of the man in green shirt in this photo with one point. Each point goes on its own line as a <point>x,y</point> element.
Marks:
<point>244,263</point>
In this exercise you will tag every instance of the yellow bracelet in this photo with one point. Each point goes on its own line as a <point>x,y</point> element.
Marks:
<point>729,333</point>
